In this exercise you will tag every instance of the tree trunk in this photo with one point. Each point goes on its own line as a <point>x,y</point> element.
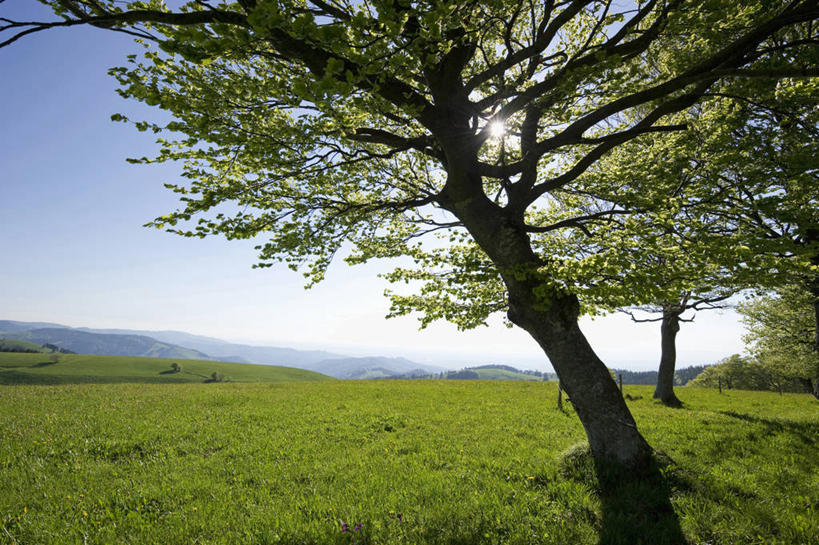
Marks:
<point>610,428</point>
<point>814,290</point>
<point>668,358</point>
<point>546,312</point>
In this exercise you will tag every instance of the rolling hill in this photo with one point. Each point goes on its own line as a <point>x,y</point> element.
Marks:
<point>83,342</point>
<point>217,348</point>
<point>97,369</point>
<point>369,367</point>
<point>181,345</point>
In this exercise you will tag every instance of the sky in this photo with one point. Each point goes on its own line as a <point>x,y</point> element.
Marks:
<point>73,249</point>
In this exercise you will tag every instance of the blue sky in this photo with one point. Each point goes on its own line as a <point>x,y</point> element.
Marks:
<point>74,250</point>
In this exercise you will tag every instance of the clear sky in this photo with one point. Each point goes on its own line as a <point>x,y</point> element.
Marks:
<point>73,249</point>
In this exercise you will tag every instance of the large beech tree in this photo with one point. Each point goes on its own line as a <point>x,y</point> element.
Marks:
<point>319,122</point>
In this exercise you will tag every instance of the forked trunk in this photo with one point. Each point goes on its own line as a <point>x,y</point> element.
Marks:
<point>550,317</point>
<point>668,358</point>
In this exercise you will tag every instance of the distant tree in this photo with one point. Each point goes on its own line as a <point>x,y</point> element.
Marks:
<point>738,373</point>
<point>217,377</point>
<point>685,375</point>
<point>176,368</point>
<point>463,374</point>
<point>781,331</point>
<point>54,358</point>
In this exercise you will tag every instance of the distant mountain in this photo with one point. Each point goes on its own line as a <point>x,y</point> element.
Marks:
<point>83,342</point>
<point>181,345</point>
<point>372,367</point>
<point>225,351</point>
<point>12,326</point>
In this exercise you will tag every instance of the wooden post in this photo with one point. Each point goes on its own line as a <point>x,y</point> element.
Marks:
<point>559,396</point>
<point>620,380</point>
<point>719,384</point>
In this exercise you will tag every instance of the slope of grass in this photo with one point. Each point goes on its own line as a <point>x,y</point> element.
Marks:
<point>438,462</point>
<point>15,345</point>
<point>83,368</point>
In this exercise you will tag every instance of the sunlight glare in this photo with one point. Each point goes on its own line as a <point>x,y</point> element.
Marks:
<point>496,129</point>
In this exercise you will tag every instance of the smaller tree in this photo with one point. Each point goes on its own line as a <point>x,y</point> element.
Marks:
<point>734,372</point>
<point>781,330</point>
<point>176,368</point>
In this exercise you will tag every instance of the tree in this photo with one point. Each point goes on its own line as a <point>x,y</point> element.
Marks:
<point>743,217</point>
<point>780,331</point>
<point>734,372</point>
<point>320,122</point>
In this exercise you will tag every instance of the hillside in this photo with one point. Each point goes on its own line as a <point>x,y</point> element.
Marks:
<point>181,345</point>
<point>96,369</point>
<point>217,348</point>
<point>369,367</point>
<point>16,345</point>
<point>83,342</point>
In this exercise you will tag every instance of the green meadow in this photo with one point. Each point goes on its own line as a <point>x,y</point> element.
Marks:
<point>383,462</point>
<point>82,368</point>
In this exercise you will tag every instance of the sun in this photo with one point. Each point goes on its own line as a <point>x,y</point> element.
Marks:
<point>497,129</point>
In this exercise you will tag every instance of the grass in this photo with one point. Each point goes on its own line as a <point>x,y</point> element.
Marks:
<point>439,462</point>
<point>83,369</point>
<point>14,345</point>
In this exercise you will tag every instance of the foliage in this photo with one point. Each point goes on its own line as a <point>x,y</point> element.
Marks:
<point>423,462</point>
<point>741,373</point>
<point>681,376</point>
<point>216,377</point>
<point>781,331</point>
<point>687,374</point>
<point>319,123</point>
<point>463,374</point>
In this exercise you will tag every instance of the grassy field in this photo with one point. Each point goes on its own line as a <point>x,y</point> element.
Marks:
<point>382,462</point>
<point>83,369</point>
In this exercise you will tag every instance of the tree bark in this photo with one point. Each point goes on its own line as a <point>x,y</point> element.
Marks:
<point>668,358</point>
<point>814,290</point>
<point>611,430</point>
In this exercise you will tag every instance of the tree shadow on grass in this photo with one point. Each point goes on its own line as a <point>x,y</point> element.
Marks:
<point>636,508</point>
<point>805,431</point>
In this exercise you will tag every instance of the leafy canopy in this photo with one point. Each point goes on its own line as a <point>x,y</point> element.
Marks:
<point>316,123</point>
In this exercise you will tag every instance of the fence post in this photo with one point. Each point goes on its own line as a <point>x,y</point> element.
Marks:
<point>620,380</point>
<point>559,396</point>
<point>719,384</point>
